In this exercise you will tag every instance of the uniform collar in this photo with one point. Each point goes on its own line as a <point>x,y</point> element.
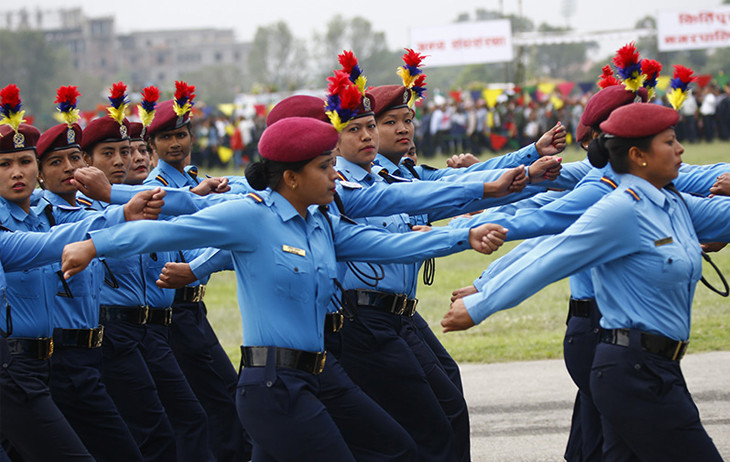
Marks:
<point>353,170</point>
<point>644,189</point>
<point>173,174</point>
<point>386,163</point>
<point>13,210</point>
<point>281,206</point>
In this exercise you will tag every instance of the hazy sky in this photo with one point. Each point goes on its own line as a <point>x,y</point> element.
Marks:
<point>393,17</point>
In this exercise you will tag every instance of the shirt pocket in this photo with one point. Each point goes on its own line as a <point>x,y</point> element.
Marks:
<point>26,284</point>
<point>293,276</point>
<point>675,267</point>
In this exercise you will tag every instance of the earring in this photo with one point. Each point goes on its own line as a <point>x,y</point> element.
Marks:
<point>643,164</point>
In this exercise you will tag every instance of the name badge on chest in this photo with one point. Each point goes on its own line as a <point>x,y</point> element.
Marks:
<point>294,250</point>
<point>663,241</point>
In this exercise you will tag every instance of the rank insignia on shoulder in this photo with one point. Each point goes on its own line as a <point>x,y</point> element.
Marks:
<point>69,208</point>
<point>294,250</point>
<point>83,201</point>
<point>255,197</point>
<point>162,180</point>
<point>663,241</point>
<point>350,184</point>
<point>633,194</point>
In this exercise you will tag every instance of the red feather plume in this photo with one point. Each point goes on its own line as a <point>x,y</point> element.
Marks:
<point>10,96</point>
<point>607,79</point>
<point>184,91</point>
<point>413,58</point>
<point>650,67</point>
<point>151,94</point>
<point>348,61</point>
<point>118,90</point>
<point>684,74</point>
<point>338,82</point>
<point>626,56</point>
<point>67,95</point>
<point>350,97</point>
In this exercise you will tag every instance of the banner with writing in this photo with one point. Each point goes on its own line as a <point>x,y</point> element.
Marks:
<point>693,29</point>
<point>464,43</point>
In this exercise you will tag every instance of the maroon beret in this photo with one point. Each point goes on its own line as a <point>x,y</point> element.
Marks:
<point>103,129</point>
<point>297,106</point>
<point>602,103</point>
<point>25,138</point>
<point>296,139</point>
<point>59,137</point>
<point>135,131</point>
<point>388,97</point>
<point>166,119</point>
<point>639,120</point>
<point>581,132</point>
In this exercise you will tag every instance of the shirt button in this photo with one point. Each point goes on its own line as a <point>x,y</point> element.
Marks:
<point>5,365</point>
<point>269,383</point>
<point>296,269</point>
<point>637,366</point>
<point>385,224</point>
<point>460,243</point>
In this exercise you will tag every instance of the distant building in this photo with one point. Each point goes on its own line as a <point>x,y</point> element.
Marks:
<point>142,58</point>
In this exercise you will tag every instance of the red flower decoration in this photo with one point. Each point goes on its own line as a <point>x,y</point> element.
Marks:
<point>412,58</point>
<point>420,81</point>
<point>626,56</point>
<point>684,74</point>
<point>67,95</point>
<point>10,96</point>
<point>348,61</point>
<point>118,90</point>
<point>650,68</point>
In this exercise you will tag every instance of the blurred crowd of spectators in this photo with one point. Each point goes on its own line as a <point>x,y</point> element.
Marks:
<point>446,125</point>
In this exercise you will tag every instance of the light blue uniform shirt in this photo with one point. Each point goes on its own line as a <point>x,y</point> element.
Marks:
<point>131,281</point>
<point>31,260</point>
<point>285,264</point>
<point>165,174</point>
<point>644,253</point>
<point>523,156</point>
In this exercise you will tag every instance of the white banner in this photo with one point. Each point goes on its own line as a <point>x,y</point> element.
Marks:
<point>464,43</point>
<point>692,29</point>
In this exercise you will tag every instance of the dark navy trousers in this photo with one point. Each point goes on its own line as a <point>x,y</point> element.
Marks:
<point>151,393</point>
<point>31,425</point>
<point>212,378</point>
<point>648,413</point>
<point>378,353</point>
<point>298,416</point>
<point>579,346</point>
<point>79,393</point>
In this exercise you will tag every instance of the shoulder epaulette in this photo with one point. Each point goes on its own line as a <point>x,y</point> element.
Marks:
<point>255,197</point>
<point>83,201</point>
<point>428,167</point>
<point>162,180</point>
<point>609,182</point>
<point>340,175</point>
<point>633,194</point>
<point>3,228</point>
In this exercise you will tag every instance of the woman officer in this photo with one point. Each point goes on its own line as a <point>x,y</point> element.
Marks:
<point>642,242</point>
<point>290,398</point>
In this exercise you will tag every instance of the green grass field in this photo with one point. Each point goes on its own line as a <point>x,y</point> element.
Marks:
<point>534,329</point>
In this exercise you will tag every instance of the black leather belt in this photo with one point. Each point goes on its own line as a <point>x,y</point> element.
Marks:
<point>671,349</point>
<point>160,316</point>
<point>34,348</point>
<point>78,338</point>
<point>190,294</point>
<point>306,361</point>
<point>580,308</point>
<point>398,304</point>
<point>133,314</point>
<point>333,322</point>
